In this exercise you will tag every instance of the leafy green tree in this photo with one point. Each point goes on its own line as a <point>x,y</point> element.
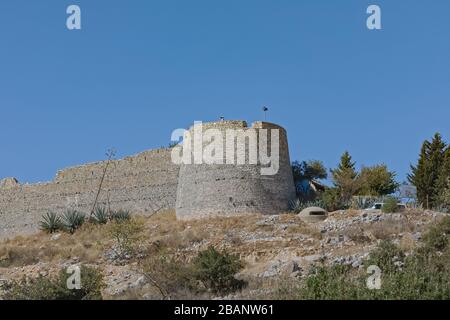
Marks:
<point>425,176</point>
<point>346,178</point>
<point>304,173</point>
<point>377,181</point>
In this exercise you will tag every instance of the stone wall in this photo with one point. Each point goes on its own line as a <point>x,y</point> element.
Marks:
<point>144,183</point>
<point>149,182</point>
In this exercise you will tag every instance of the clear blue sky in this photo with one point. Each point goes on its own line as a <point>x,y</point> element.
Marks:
<point>139,69</point>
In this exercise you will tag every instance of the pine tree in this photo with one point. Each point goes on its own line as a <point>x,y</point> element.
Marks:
<point>437,156</point>
<point>345,177</point>
<point>419,174</point>
<point>425,175</point>
<point>444,177</point>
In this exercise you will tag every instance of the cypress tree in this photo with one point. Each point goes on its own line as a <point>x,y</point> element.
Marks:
<point>425,176</point>
<point>418,176</point>
<point>437,156</point>
<point>444,176</point>
<point>346,166</point>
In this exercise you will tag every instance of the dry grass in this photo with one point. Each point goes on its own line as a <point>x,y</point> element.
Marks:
<point>386,229</point>
<point>357,234</point>
<point>86,245</point>
<point>89,243</point>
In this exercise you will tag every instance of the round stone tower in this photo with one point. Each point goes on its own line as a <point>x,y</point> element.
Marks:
<point>250,171</point>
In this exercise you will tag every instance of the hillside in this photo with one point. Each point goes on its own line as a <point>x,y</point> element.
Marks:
<point>277,251</point>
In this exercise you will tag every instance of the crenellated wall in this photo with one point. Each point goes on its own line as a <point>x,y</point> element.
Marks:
<point>143,183</point>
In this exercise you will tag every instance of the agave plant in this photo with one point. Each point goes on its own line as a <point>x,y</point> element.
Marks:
<point>120,215</point>
<point>72,220</point>
<point>100,216</point>
<point>50,222</point>
<point>297,205</point>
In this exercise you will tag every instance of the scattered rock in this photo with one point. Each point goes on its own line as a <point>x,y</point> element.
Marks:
<point>55,237</point>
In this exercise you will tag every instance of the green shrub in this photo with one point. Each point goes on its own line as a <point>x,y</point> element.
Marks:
<point>50,222</point>
<point>126,235</point>
<point>43,288</point>
<point>438,236</point>
<point>444,198</point>
<point>216,270</point>
<point>329,283</point>
<point>100,216</point>
<point>387,256</point>
<point>332,200</point>
<point>120,215</point>
<point>172,277</point>
<point>425,274</point>
<point>390,205</point>
<point>72,220</point>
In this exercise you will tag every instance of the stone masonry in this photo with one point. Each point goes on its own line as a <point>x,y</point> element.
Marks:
<point>144,183</point>
<point>150,182</point>
<point>226,189</point>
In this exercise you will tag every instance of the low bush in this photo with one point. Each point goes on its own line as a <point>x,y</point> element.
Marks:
<point>390,205</point>
<point>216,270</point>
<point>332,200</point>
<point>126,235</point>
<point>43,288</point>
<point>172,277</point>
<point>423,274</point>
<point>329,283</point>
<point>387,256</point>
<point>438,236</point>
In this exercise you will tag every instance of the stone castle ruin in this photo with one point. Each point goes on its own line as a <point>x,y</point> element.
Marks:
<point>150,182</point>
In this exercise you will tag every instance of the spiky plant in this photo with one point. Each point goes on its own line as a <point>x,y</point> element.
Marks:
<point>297,205</point>
<point>50,222</point>
<point>72,220</point>
<point>100,216</point>
<point>120,215</point>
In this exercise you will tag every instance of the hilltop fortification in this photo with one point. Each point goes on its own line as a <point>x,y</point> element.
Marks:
<point>232,188</point>
<point>149,182</point>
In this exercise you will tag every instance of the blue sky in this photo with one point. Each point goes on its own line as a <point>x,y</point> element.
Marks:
<point>139,69</point>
